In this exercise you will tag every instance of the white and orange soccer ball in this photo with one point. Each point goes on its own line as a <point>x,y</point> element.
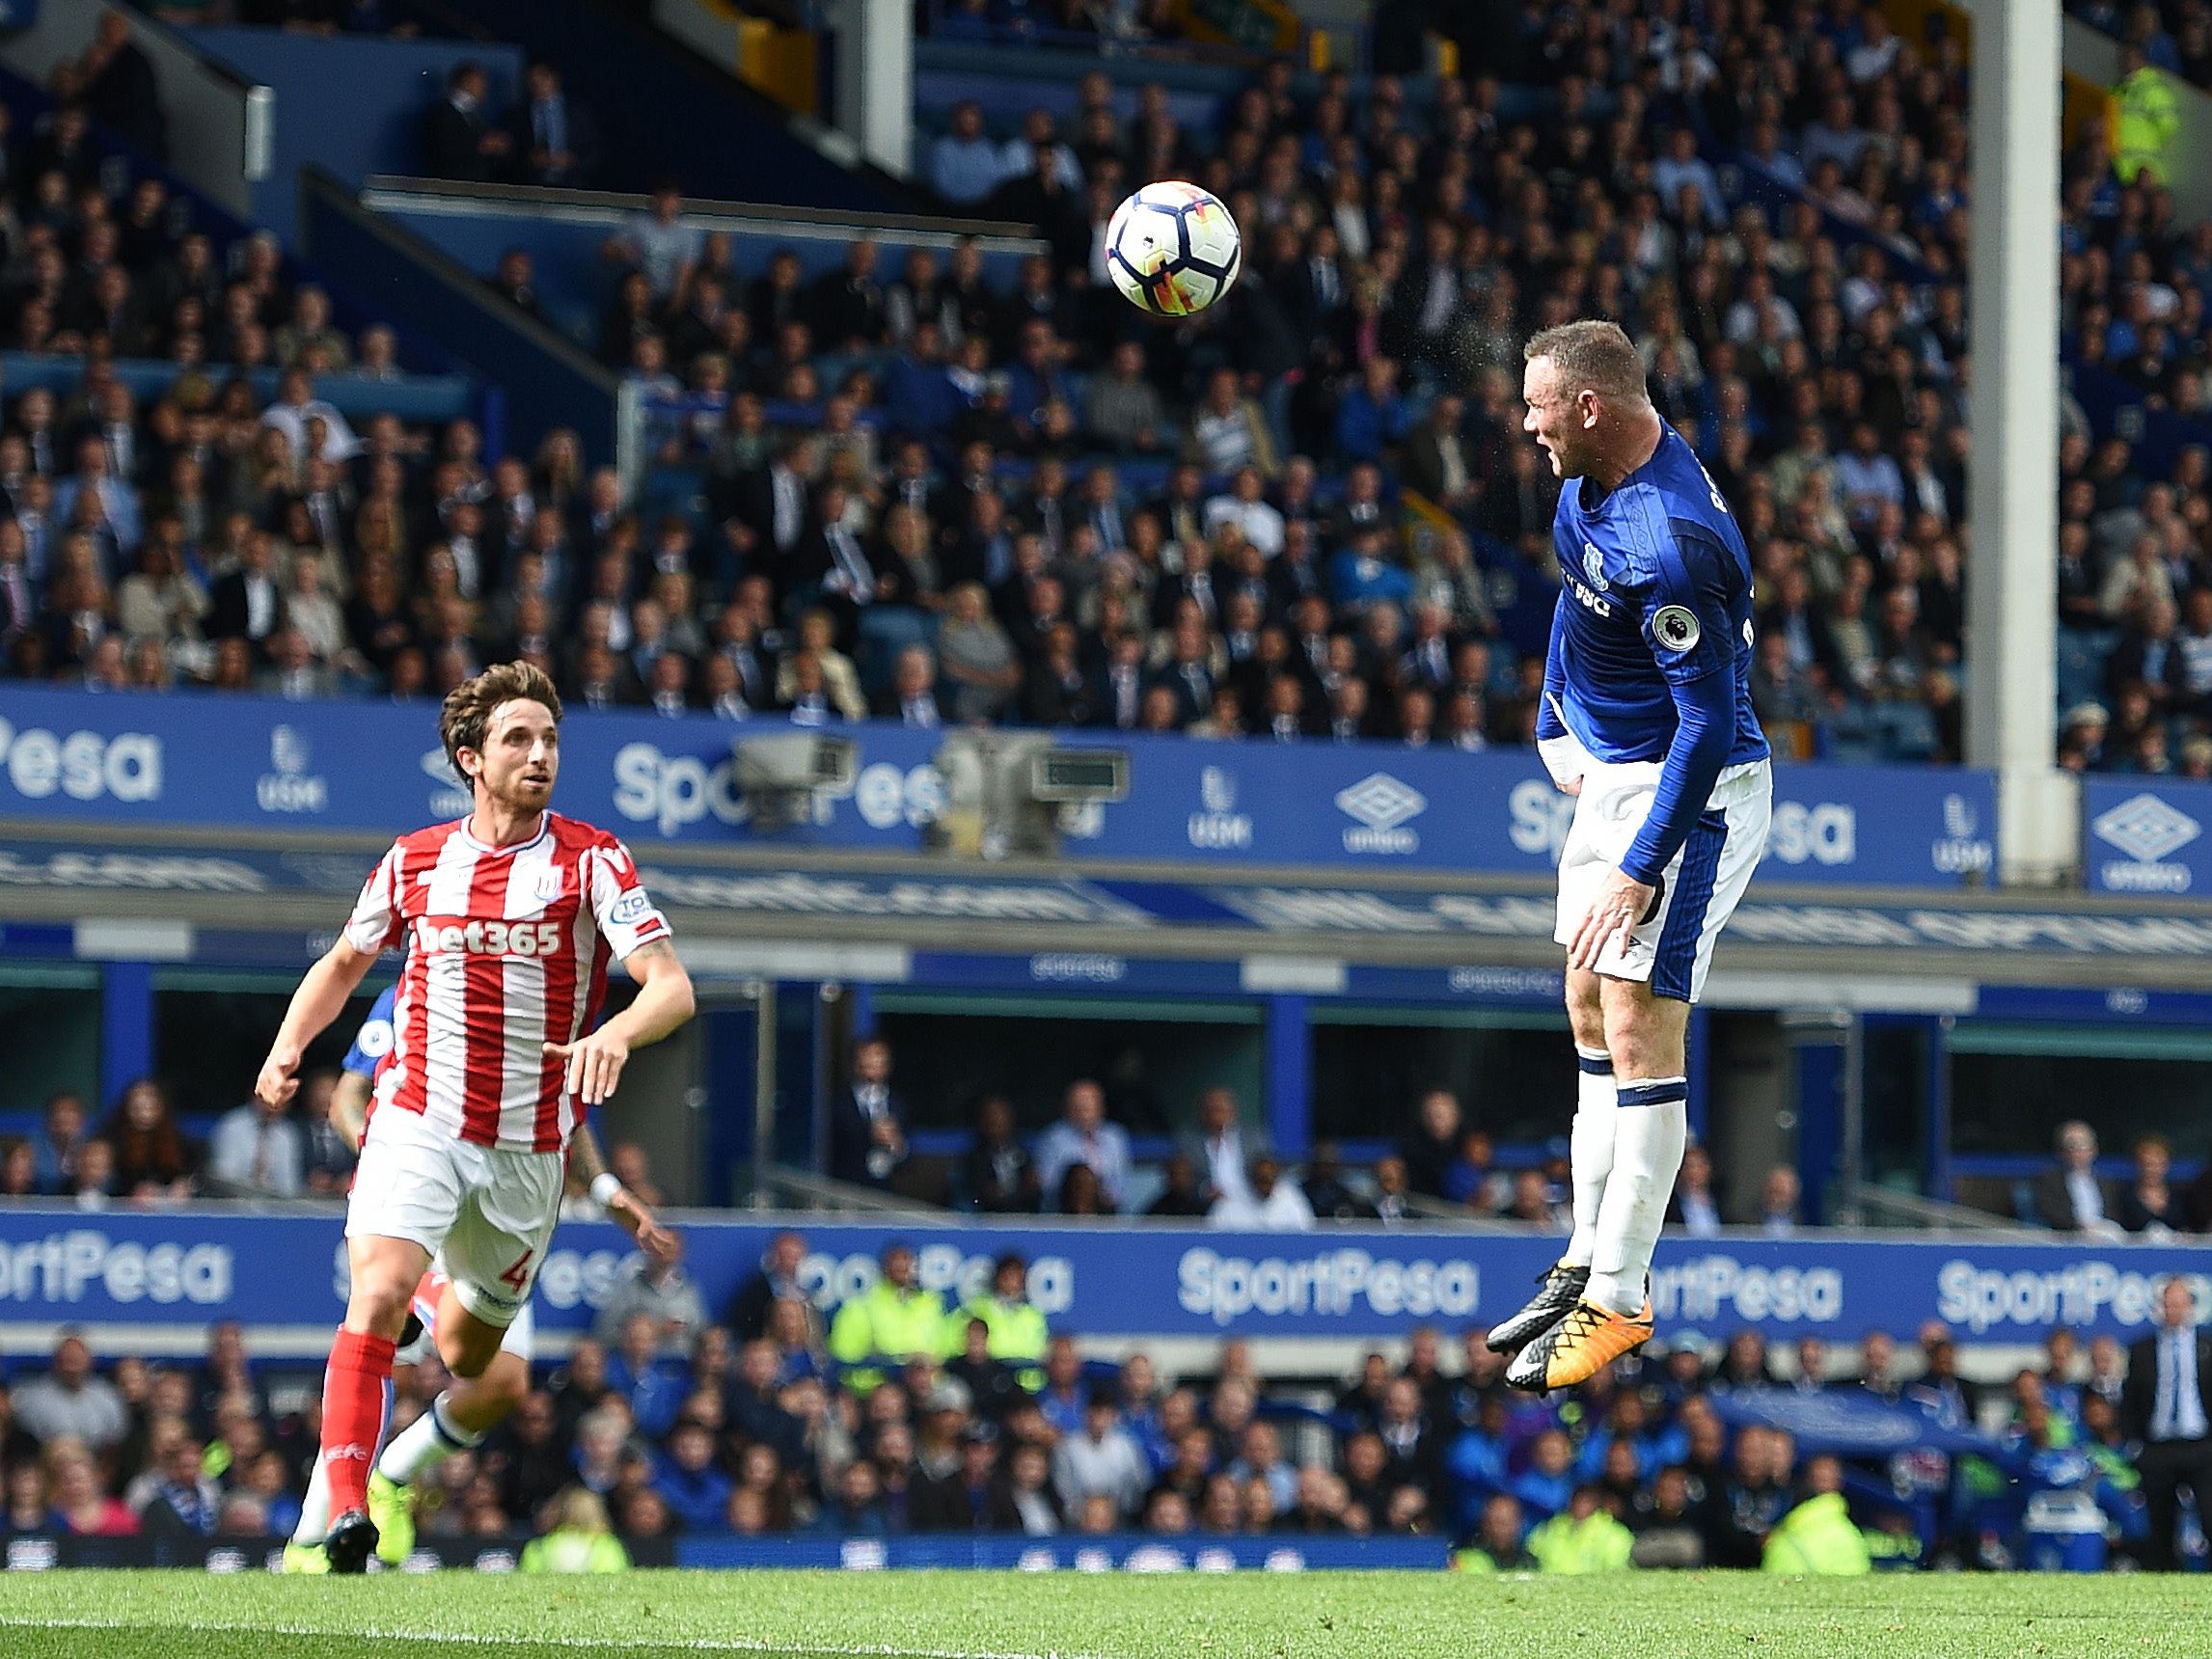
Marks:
<point>1173,249</point>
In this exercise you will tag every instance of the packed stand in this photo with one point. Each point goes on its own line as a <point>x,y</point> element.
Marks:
<point>916,1413</point>
<point>146,1155</point>
<point>1801,307</point>
<point>1221,1169</point>
<point>1308,513</point>
<point>194,531</point>
<point>2172,35</point>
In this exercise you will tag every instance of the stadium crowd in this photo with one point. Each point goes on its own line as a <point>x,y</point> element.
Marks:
<point>912,1414</point>
<point>919,494</point>
<point>1220,1168</point>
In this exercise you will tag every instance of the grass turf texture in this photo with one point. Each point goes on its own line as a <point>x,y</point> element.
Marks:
<point>1064,1615</point>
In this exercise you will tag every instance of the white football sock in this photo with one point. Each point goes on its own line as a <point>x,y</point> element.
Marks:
<point>1591,1149</point>
<point>426,1442</point>
<point>1651,1127</point>
<point>315,1508</point>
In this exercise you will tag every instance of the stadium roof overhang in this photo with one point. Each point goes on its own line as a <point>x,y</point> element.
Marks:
<point>239,897</point>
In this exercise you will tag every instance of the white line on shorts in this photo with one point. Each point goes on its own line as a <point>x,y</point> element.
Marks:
<point>449,1639</point>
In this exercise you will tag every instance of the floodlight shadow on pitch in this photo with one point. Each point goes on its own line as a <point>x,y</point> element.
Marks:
<point>783,775</point>
<point>1007,793</point>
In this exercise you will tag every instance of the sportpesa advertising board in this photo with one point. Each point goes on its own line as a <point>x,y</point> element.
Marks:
<point>227,762</point>
<point>189,1267</point>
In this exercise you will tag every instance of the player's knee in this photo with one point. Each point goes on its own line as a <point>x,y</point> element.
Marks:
<point>505,1386</point>
<point>377,1304</point>
<point>1586,1010</point>
<point>1643,1036</point>
<point>465,1359</point>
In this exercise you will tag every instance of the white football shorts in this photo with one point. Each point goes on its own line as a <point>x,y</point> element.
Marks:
<point>1671,949</point>
<point>485,1215</point>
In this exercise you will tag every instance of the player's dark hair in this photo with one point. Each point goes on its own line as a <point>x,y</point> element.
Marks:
<point>1592,356</point>
<point>467,713</point>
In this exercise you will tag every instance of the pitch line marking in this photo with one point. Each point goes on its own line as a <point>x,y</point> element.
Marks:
<point>447,1639</point>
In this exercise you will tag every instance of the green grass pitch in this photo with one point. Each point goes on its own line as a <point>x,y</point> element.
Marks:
<point>1068,1616</point>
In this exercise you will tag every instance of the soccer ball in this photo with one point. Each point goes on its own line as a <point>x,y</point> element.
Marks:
<point>1173,249</point>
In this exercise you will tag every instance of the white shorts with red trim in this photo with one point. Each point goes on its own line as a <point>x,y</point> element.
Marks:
<point>486,1214</point>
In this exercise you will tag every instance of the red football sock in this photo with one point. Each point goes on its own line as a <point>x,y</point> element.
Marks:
<point>356,1409</point>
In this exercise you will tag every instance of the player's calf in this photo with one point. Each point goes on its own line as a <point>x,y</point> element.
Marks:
<point>466,1343</point>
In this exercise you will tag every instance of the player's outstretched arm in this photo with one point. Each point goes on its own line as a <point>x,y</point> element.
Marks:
<point>663,1002</point>
<point>588,1168</point>
<point>320,997</point>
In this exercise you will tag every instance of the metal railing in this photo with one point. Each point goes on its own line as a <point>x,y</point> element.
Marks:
<point>1859,1204</point>
<point>779,1186</point>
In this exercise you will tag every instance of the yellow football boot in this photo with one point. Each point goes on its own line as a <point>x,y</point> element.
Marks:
<point>1581,1345</point>
<point>390,1506</point>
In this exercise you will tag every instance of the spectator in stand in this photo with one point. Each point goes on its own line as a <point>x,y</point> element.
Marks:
<point>1778,1196</point>
<point>2149,1204</point>
<point>658,243</point>
<point>642,1371</point>
<point>1222,1149</point>
<point>515,281</point>
<point>18,1169</point>
<point>1695,1208</point>
<point>61,1138</point>
<point>459,140</point>
<point>330,1155</point>
<point>1099,1460</point>
<point>2072,1197</point>
<point>868,1120</point>
<point>69,1402</point>
<point>777,1280</point>
<point>998,1175</point>
<point>964,164</point>
<point>184,1501</point>
<point>654,1282</point>
<point>1083,1136</point>
<point>81,1508</point>
<point>152,1161</point>
<point>1123,410</point>
<point>894,1319</point>
<point>1267,1204</point>
<point>1017,1332</point>
<point>116,82</point>
<point>256,1152</point>
<point>2167,1406</point>
<point>1181,1195</point>
<point>1430,1148</point>
<point>554,140</point>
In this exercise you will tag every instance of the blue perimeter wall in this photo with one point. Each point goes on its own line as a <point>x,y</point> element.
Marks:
<point>187,1268</point>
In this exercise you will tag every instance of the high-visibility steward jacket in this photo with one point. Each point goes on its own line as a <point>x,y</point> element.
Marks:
<point>1817,1536</point>
<point>1018,1334</point>
<point>885,1323</point>
<point>1596,1543</point>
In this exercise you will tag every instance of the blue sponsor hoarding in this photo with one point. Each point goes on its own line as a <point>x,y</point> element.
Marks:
<point>1111,1552</point>
<point>254,762</point>
<point>188,1267</point>
<point>2146,835</point>
<point>1234,909</point>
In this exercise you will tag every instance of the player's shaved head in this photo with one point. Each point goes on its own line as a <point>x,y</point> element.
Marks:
<point>1587,406</point>
<point>1591,355</point>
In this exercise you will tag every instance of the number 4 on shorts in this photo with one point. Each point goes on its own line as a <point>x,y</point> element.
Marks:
<point>517,1277</point>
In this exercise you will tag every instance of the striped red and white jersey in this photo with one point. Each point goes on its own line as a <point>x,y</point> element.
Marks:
<point>507,951</point>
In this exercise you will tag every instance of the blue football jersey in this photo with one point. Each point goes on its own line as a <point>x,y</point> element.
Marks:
<point>1654,596</point>
<point>373,1041</point>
